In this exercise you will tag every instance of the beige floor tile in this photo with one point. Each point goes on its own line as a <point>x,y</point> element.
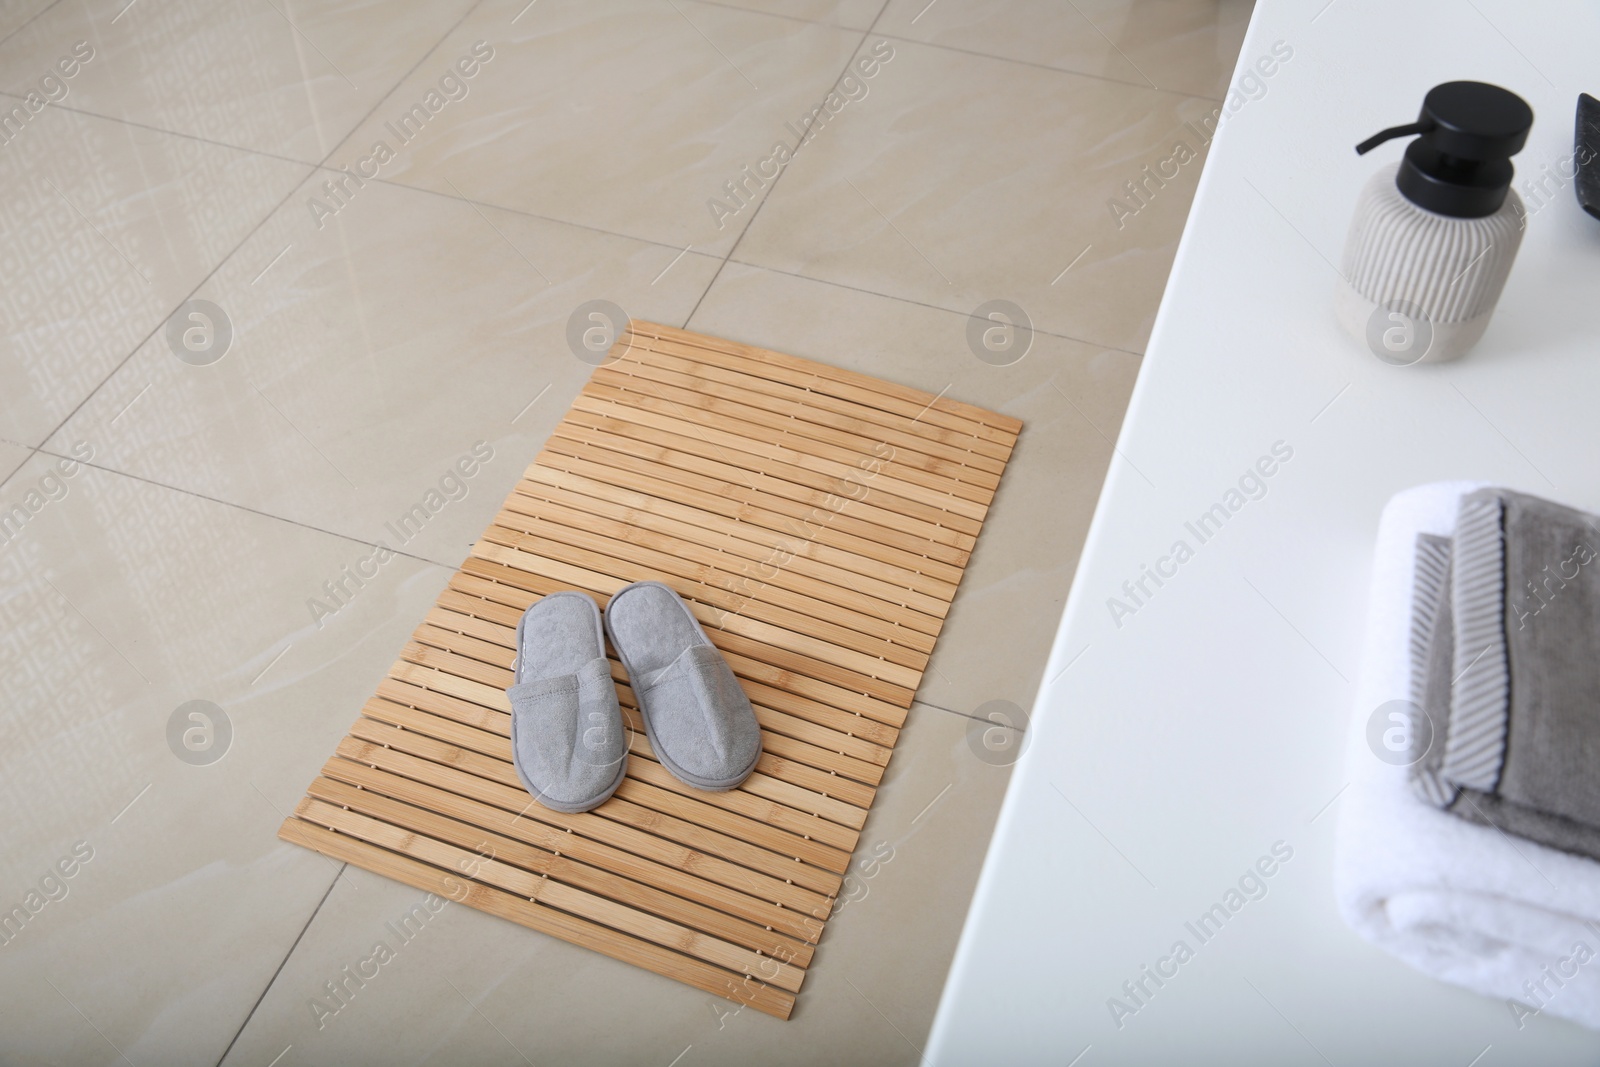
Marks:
<point>372,356</point>
<point>1049,33</point>
<point>278,76</point>
<point>1070,398</point>
<point>11,457</point>
<point>1187,46</point>
<point>123,602</point>
<point>628,117</point>
<point>14,14</point>
<point>104,229</point>
<point>960,179</point>
<point>470,988</point>
<point>852,14</point>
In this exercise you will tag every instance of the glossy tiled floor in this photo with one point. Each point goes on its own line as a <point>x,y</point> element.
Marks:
<point>164,522</point>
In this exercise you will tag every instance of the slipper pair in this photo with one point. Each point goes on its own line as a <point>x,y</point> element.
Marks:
<point>568,739</point>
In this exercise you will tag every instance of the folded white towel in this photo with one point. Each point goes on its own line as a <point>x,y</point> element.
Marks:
<point>1461,902</point>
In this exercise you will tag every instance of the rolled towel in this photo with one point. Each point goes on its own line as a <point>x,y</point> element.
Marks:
<point>1462,902</point>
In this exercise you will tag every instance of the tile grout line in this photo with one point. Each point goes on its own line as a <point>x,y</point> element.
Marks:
<point>392,90</point>
<point>281,964</point>
<point>222,261</point>
<point>161,323</point>
<point>786,18</point>
<point>390,182</point>
<point>965,715</point>
<point>424,191</point>
<point>176,133</point>
<point>239,507</point>
<point>963,51</point>
<point>35,17</point>
<point>931,307</point>
<point>1054,70</point>
<point>854,53</point>
<point>32,450</point>
<point>845,29</point>
<point>394,184</point>
<point>324,166</point>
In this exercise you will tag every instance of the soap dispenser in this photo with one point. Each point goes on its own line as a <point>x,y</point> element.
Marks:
<point>1434,235</point>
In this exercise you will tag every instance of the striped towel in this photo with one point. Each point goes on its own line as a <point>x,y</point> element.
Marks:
<point>1505,649</point>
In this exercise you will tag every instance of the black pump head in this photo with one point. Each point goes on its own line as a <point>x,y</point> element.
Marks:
<point>1460,163</point>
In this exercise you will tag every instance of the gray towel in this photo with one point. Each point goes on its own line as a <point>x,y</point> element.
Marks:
<point>1506,669</point>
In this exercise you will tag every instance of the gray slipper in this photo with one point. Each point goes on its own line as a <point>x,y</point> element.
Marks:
<point>568,741</point>
<point>700,723</point>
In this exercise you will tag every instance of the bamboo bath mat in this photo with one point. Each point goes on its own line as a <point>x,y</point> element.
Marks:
<point>817,521</point>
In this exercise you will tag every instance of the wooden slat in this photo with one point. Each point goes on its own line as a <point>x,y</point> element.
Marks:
<point>935,421</point>
<point>778,514</point>
<point>537,917</point>
<point>804,412</point>
<point>484,683</point>
<point>807,507</point>
<point>679,817</point>
<point>744,566</point>
<point>784,677</point>
<point>828,826</point>
<point>681,875</point>
<point>791,611</point>
<point>872,578</point>
<point>875,392</point>
<point>493,739</point>
<point>732,637</point>
<point>755,421</point>
<point>495,870</point>
<point>886,504</point>
<point>890,573</point>
<point>657,846</point>
<point>563,869</point>
<point>734,427</point>
<point>882,392</point>
<point>817,522</point>
<point>789,736</point>
<point>898,669</point>
<point>861,759</point>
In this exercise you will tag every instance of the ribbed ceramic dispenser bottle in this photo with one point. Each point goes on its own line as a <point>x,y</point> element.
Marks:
<point>1434,236</point>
